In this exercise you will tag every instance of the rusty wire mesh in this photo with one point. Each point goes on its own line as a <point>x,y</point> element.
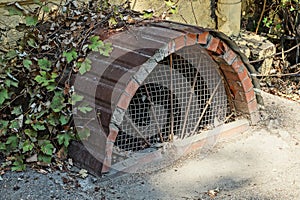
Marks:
<point>173,101</point>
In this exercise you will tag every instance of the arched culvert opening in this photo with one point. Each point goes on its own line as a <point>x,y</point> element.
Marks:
<point>163,83</point>
<point>182,95</point>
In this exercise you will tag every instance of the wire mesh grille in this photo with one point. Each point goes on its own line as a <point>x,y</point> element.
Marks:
<point>173,101</point>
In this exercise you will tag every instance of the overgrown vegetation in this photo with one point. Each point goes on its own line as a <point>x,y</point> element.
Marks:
<point>36,93</point>
<point>279,21</point>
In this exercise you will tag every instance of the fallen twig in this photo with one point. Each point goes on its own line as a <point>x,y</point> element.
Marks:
<point>137,130</point>
<point>154,115</point>
<point>172,117</point>
<point>275,54</point>
<point>189,105</point>
<point>261,16</point>
<point>206,106</point>
<point>193,11</point>
<point>277,75</point>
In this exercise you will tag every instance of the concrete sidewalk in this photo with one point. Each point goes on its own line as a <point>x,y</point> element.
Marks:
<point>262,163</point>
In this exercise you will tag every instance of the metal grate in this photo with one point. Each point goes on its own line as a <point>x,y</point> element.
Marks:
<point>173,102</point>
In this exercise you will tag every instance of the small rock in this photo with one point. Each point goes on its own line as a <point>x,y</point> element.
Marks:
<point>284,134</point>
<point>16,187</point>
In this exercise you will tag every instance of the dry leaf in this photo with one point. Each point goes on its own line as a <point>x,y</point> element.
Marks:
<point>83,173</point>
<point>32,159</point>
<point>61,154</point>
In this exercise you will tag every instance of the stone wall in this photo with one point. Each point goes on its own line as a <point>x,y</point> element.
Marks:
<point>202,10</point>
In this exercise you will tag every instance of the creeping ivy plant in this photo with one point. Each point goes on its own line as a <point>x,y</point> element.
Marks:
<point>36,95</point>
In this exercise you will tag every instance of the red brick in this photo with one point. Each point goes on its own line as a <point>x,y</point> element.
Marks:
<point>237,65</point>
<point>232,132</point>
<point>246,107</point>
<point>106,166</point>
<point>220,50</point>
<point>109,150</point>
<point>196,145</point>
<point>235,87</point>
<point>226,67</point>
<point>113,133</point>
<point>242,96</point>
<point>171,47</point>
<point>243,74</point>
<point>244,86</point>
<point>179,42</point>
<point>191,39</point>
<point>217,59</point>
<point>203,38</point>
<point>213,44</point>
<point>231,76</point>
<point>124,101</point>
<point>229,56</point>
<point>253,106</point>
<point>132,87</point>
<point>255,117</point>
<point>247,84</point>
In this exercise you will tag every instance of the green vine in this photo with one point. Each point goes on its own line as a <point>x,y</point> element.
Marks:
<point>36,98</point>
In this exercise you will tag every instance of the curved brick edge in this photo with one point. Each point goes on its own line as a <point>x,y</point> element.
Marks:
<point>231,65</point>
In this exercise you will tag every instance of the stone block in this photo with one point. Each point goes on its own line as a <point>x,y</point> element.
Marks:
<point>257,47</point>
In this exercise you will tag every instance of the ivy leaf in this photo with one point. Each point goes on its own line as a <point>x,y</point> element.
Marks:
<point>112,21</point>
<point>174,10</point>
<point>9,83</point>
<point>148,14</point>
<point>63,120</point>
<point>98,45</point>
<point>64,139</point>
<point>44,64</point>
<point>53,119</point>
<point>18,165</point>
<point>32,43</point>
<point>169,3</point>
<point>84,108</point>
<point>44,158</point>
<point>27,146</point>
<point>17,110</point>
<point>14,124</point>
<point>41,79</point>
<point>47,148</point>
<point>106,50</point>
<point>12,141</point>
<point>4,125</point>
<point>83,133</point>
<point>38,2</point>
<point>51,87</point>
<point>57,103</point>
<point>2,146</point>
<point>76,98</point>
<point>46,9</point>
<point>85,66</point>
<point>12,10</point>
<point>95,43</point>
<point>11,54</point>
<point>38,126</point>
<point>31,134</point>
<point>3,96</point>
<point>70,55</point>
<point>31,20</point>
<point>27,63</point>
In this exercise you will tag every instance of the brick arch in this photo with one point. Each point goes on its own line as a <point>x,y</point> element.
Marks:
<point>170,38</point>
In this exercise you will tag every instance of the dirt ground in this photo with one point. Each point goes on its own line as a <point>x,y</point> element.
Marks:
<point>262,163</point>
